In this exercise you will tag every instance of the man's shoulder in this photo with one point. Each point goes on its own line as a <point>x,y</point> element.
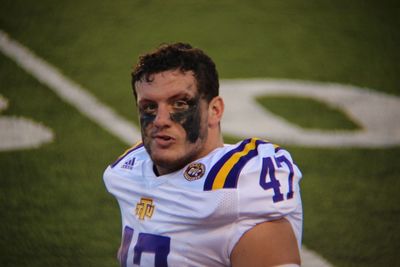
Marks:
<point>261,174</point>
<point>264,177</point>
<point>126,161</point>
<point>124,167</point>
<point>240,159</point>
<point>136,151</point>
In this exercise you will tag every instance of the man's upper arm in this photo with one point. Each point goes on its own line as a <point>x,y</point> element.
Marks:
<point>267,244</point>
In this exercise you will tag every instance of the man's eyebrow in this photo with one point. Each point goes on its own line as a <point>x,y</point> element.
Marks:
<point>144,101</point>
<point>181,95</point>
<point>187,92</point>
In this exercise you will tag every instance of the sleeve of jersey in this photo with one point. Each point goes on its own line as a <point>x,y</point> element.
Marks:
<point>113,173</point>
<point>268,189</point>
<point>107,178</point>
<point>113,177</point>
<point>115,180</point>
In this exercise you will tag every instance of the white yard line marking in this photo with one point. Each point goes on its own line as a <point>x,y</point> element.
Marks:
<point>89,106</point>
<point>311,259</point>
<point>69,91</point>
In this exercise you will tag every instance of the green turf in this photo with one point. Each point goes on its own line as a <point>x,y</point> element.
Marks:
<point>325,41</point>
<point>351,204</point>
<point>307,113</point>
<point>53,206</point>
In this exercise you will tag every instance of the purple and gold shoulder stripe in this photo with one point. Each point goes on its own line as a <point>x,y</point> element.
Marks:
<point>127,152</point>
<point>225,173</point>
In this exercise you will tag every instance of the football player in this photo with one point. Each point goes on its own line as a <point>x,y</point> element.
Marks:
<point>188,199</point>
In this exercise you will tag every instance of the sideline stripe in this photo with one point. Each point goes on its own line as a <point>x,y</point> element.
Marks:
<point>89,106</point>
<point>69,91</point>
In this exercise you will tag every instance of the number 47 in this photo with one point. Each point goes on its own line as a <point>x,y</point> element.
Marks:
<point>268,170</point>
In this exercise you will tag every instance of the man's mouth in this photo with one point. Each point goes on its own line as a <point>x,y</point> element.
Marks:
<point>163,140</point>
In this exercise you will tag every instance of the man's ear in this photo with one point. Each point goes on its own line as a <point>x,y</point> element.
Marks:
<point>215,111</point>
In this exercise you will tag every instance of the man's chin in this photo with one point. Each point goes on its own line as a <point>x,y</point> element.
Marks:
<point>164,161</point>
<point>169,159</point>
<point>167,166</point>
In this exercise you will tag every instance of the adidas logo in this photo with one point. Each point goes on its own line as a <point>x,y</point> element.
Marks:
<point>129,164</point>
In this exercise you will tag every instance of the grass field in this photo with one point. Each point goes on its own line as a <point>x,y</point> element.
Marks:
<point>54,208</point>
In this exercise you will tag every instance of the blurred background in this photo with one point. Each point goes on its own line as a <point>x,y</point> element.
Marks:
<point>54,209</point>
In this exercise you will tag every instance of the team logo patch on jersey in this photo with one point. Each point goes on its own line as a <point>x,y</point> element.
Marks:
<point>194,171</point>
<point>145,208</point>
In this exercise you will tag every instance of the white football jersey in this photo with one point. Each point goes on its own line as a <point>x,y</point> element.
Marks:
<point>195,216</point>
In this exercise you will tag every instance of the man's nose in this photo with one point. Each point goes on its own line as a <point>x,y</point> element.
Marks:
<point>163,117</point>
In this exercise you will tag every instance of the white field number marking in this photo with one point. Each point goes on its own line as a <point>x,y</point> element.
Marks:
<point>21,133</point>
<point>377,113</point>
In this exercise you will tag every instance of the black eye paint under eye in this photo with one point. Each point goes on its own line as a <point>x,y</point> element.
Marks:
<point>145,118</point>
<point>189,119</point>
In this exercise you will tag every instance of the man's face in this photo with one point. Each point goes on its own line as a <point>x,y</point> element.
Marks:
<point>173,119</point>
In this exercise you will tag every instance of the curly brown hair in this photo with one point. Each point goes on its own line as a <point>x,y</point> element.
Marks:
<point>183,57</point>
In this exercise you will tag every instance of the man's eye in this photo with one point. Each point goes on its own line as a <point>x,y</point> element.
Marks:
<point>149,108</point>
<point>180,105</point>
